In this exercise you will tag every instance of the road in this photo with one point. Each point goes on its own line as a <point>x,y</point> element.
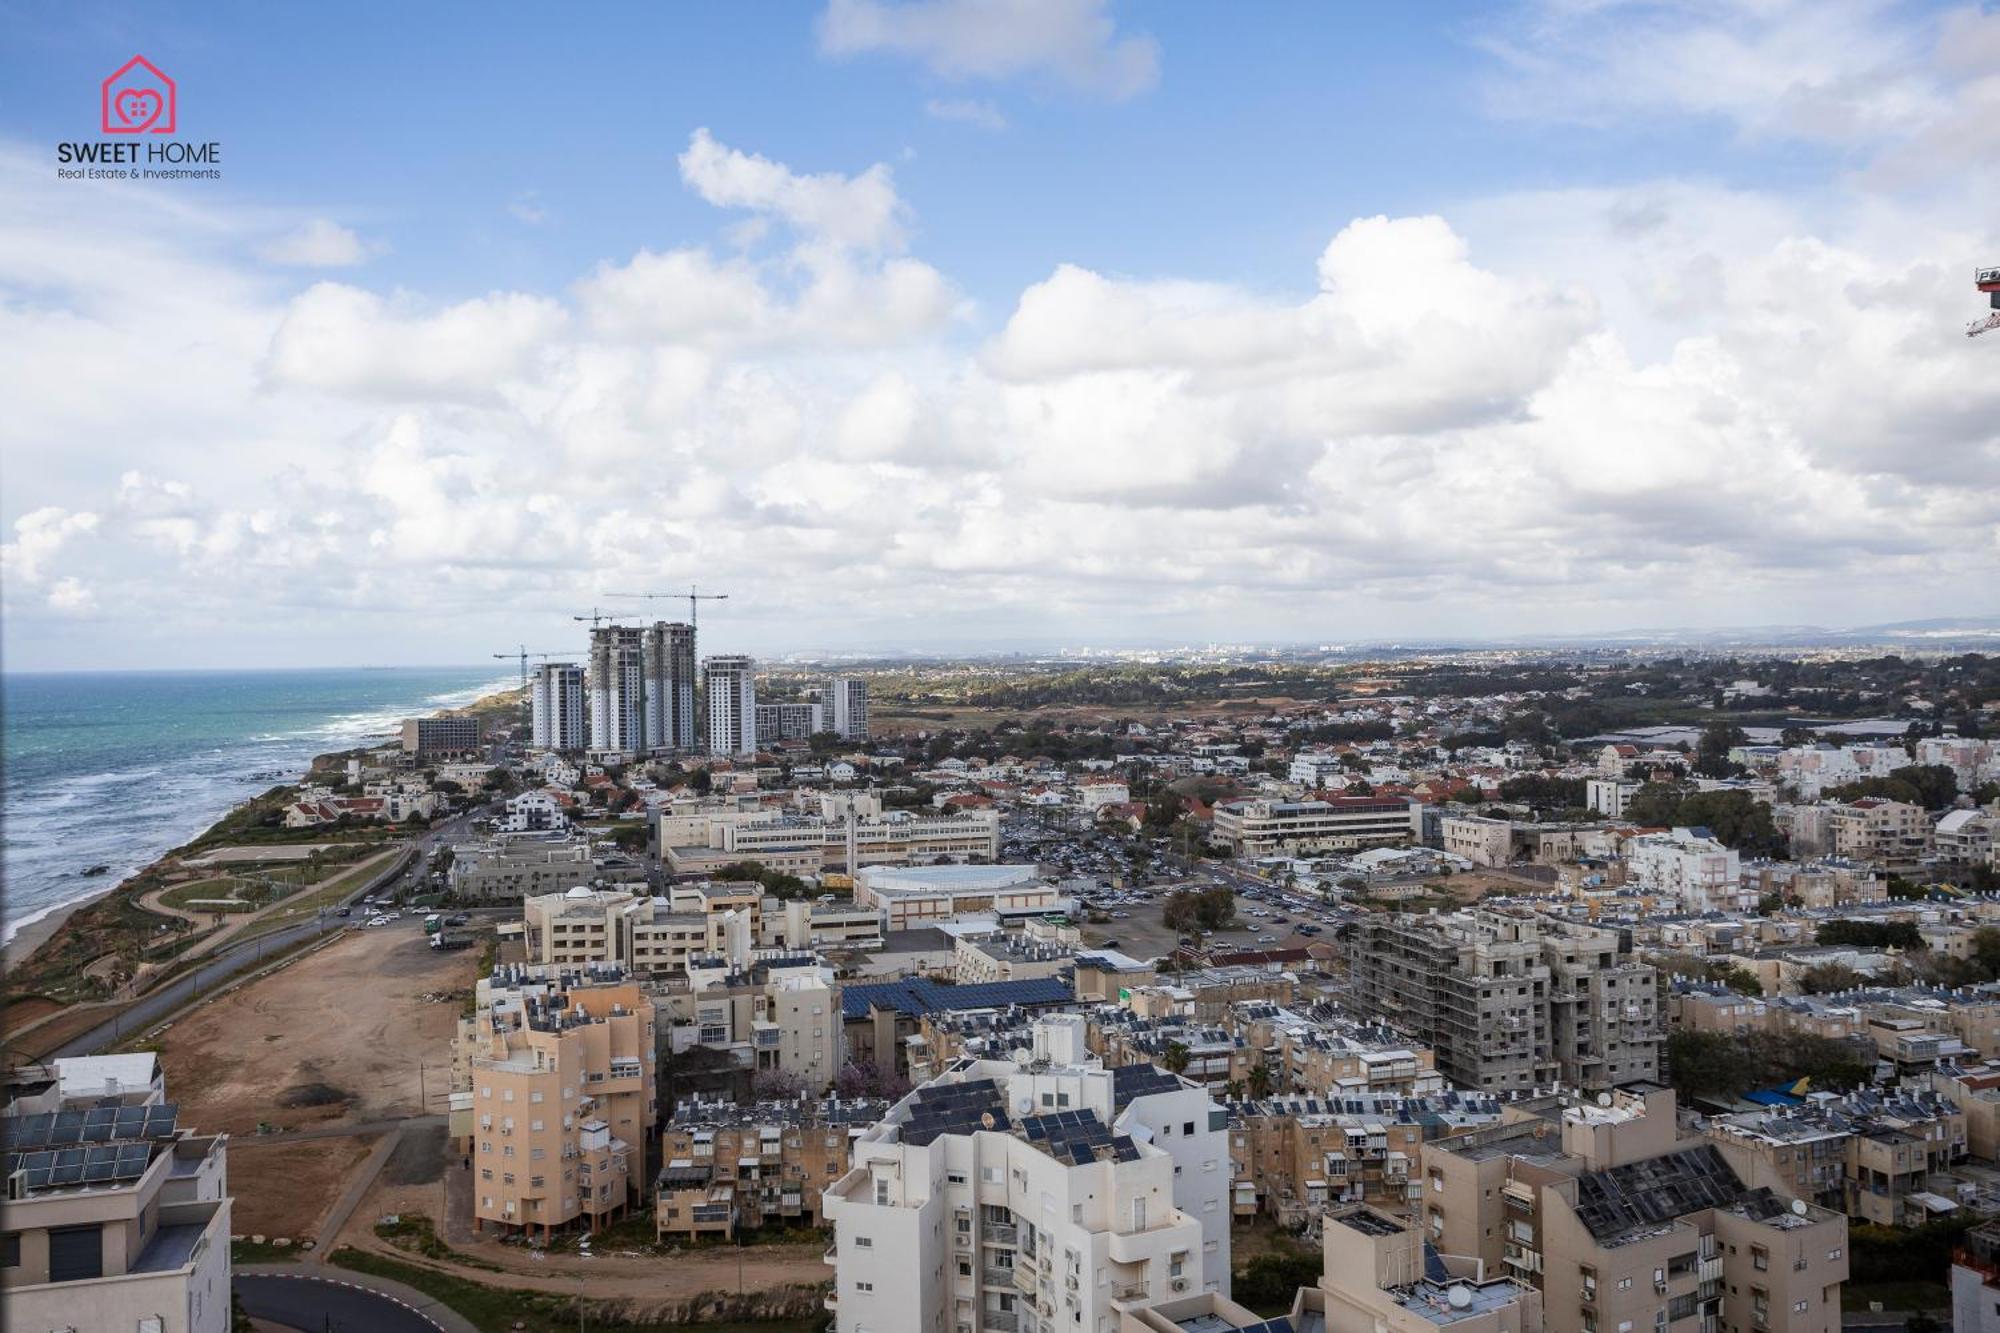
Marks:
<point>168,999</point>
<point>315,1301</point>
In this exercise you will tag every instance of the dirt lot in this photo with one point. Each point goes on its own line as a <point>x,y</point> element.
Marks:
<point>336,1038</point>
<point>284,1188</point>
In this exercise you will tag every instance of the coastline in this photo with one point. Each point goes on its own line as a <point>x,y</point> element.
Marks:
<point>38,930</point>
<point>30,936</point>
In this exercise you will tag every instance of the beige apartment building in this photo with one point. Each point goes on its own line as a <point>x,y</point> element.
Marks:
<point>1375,1278</point>
<point>1891,834</point>
<point>781,1013</point>
<point>116,1217</point>
<point>729,1166</point>
<point>1511,1003</point>
<point>1625,1226</point>
<point>1293,1157</point>
<point>561,1068</point>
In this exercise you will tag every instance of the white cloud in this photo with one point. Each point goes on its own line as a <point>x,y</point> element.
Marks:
<point>1076,42</point>
<point>38,537</point>
<point>347,340</point>
<point>969,111</point>
<point>1563,409</point>
<point>319,243</point>
<point>861,211</point>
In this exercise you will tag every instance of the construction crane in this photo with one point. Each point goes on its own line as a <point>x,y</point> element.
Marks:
<point>523,653</point>
<point>595,617</point>
<point>694,599</point>
<point>1986,280</point>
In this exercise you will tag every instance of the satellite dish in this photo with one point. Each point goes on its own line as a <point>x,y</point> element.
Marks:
<point>1026,1106</point>
<point>1604,1099</point>
<point>1799,1207</point>
<point>1460,1296</point>
<point>1022,1056</point>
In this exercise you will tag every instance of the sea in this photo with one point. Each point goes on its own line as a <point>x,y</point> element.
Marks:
<point>113,768</point>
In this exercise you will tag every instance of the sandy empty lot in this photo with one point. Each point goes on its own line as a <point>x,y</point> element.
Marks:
<point>285,1188</point>
<point>336,1038</point>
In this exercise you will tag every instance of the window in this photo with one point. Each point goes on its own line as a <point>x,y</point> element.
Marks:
<point>864,1242</point>
<point>1760,1258</point>
<point>10,1251</point>
<point>864,1286</point>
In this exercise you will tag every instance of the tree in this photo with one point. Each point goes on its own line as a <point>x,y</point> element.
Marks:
<point>1870,934</point>
<point>866,1078</point>
<point>779,1085</point>
<point>702,781</point>
<point>1175,1059</point>
<point>1260,1080</point>
<point>1711,756</point>
<point>1823,978</point>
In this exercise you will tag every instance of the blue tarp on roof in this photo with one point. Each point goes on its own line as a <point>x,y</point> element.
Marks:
<point>919,995</point>
<point>1773,1097</point>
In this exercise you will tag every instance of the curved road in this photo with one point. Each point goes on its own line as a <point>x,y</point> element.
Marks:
<point>330,1305</point>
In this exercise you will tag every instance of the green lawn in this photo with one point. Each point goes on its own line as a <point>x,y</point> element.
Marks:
<point>183,896</point>
<point>302,905</point>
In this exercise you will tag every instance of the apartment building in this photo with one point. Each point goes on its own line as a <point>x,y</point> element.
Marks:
<point>430,737</point>
<point>1293,1157</point>
<point>1892,834</point>
<point>558,707</point>
<point>730,1166</point>
<point>1511,1003</point>
<point>1376,1278</point>
<point>729,690</point>
<point>1964,839</point>
<point>638,933</point>
<point>1038,1196</point>
<point>1975,1281</point>
<point>847,707</point>
<point>1609,796</point>
<point>667,671</point>
<point>1624,1225</point>
<point>1340,823</point>
<point>560,1066</point>
<point>1872,1154</point>
<point>1693,871</point>
<point>116,1216</point>
<point>770,1012</point>
<point>519,866</point>
<point>790,720</point>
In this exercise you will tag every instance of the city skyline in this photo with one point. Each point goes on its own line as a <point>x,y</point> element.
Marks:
<point>913,328</point>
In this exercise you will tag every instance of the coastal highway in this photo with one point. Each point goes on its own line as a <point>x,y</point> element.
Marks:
<point>167,1000</point>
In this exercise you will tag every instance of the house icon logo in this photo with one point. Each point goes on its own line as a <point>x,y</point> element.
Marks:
<point>139,99</point>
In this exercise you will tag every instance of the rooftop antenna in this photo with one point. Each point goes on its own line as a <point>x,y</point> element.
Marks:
<point>694,599</point>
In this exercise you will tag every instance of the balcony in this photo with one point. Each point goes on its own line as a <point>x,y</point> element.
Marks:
<point>996,1277</point>
<point>999,1233</point>
<point>1024,1280</point>
<point>832,1256</point>
<point>1000,1321</point>
<point>1129,1291</point>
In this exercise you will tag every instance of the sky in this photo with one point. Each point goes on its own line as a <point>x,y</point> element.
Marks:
<point>963,325</point>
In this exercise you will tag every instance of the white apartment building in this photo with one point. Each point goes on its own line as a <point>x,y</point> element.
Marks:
<point>1314,769</point>
<point>847,707</point>
<point>532,812</point>
<point>116,1217</point>
<point>557,704</point>
<point>1090,795</point>
<point>730,688</point>
<point>1609,796</point>
<point>1698,873</point>
<point>1043,1195</point>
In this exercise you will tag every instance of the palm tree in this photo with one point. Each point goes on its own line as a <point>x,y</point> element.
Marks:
<point>1176,1058</point>
<point>1260,1081</point>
